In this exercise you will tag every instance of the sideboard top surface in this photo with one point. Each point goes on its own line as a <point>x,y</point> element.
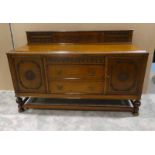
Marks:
<point>79,48</point>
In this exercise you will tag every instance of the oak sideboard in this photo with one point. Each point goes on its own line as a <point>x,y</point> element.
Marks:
<point>79,65</point>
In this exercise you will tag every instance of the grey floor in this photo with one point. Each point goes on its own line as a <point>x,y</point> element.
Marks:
<point>10,119</point>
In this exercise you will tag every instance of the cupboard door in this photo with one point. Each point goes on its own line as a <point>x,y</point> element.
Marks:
<point>125,75</point>
<point>29,74</point>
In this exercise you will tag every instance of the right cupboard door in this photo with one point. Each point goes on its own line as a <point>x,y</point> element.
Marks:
<point>125,75</point>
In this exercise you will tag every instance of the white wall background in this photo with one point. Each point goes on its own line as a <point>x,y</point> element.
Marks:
<point>5,46</point>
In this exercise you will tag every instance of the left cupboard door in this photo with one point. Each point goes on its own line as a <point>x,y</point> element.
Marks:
<point>27,74</point>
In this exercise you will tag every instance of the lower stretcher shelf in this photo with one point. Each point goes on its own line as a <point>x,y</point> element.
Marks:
<point>79,104</point>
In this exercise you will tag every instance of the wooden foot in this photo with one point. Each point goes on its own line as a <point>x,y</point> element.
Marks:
<point>136,105</point>
<point>20,103</point>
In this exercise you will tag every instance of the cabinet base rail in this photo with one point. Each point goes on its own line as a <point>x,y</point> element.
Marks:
<point>26,103</point>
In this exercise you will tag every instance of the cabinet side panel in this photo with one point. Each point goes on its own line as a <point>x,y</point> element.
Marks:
<point>13,72</point>
<point>143,72</point>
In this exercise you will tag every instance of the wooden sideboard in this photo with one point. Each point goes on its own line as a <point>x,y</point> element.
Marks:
<point>95,65</point>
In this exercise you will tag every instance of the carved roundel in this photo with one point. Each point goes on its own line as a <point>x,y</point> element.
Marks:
<point>123,76</point>
<point>29,74</point>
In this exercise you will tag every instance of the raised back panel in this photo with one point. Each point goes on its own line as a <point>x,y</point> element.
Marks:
<point>47,37</point>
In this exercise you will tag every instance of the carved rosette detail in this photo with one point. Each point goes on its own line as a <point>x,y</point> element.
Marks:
<point>30,75</point>
<point>123,76</point>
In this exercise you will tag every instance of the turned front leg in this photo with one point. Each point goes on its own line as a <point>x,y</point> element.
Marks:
<point>20,101</point>
<point>136,105</point>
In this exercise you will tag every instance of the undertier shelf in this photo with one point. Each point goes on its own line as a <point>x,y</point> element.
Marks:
<point>79,104</point>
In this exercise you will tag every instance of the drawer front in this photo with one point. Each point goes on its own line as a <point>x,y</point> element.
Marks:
<point>76,72</point>
<point>76,87</point>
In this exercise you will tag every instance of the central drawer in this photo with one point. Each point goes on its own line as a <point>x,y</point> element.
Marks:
<point>75,78</point>
<point>74,87</point>
<point>84,71</point>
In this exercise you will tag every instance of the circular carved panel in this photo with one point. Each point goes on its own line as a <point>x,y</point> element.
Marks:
<point>123,76</point>
<point>29,74</point>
